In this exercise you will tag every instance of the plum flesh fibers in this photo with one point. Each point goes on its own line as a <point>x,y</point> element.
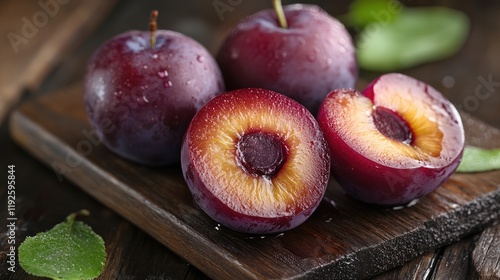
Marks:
<point>397,141</point>
<point>256,161</point>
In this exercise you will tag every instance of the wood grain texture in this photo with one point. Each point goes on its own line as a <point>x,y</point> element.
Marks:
<point>454,261</point>
<point>416,269</point>
<point>486,255</point>
<point>36,35</point>
<point>42,201</point>
<point>344,239</point>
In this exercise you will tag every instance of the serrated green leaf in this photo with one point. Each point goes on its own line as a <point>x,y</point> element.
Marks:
<point>363,12</point>
<point>416,36</point>
<point>476,159</point>
<point>70,250</point>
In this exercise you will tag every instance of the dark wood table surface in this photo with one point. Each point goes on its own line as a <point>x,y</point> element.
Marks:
<point>55,57</point>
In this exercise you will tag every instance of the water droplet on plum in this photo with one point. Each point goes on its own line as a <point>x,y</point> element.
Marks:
<point>163,74</point>
<point>155,56</point>
<point>200,58</point>
<point>167,84</point>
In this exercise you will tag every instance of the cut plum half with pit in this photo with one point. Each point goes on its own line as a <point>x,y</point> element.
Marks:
<point>256,161</point>
<point>398,140</point>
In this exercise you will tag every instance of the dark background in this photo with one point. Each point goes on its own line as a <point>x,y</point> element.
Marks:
<point>42,201</point>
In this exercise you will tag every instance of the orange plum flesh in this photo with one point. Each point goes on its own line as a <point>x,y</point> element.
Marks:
<point>398,140</point>
<point>256,161</point>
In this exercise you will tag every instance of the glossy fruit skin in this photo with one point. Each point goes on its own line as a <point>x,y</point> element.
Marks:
<point>140,99</point>
<point>225,190</point>
<point>395,179</point>
<point>314,56</point>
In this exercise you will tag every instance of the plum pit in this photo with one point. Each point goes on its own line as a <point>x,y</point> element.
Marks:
<point>392,125</point>
<point>261,153</point>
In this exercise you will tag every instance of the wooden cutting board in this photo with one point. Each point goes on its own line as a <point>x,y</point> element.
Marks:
<point>344,239</point>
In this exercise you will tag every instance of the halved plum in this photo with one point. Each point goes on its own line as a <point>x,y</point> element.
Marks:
<point>397,141</point>
<point>256,161</point>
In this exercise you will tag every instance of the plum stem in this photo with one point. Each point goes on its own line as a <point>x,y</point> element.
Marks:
<point>153,26</point>
<point>280,13</point>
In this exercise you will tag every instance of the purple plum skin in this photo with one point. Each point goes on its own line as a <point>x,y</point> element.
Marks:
<point>236,209</point>
<point>140,100</point>
<point>365,168</point>
<point>306,61</point>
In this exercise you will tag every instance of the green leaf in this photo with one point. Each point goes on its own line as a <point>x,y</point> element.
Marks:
<point>476,159</point>
<point>70,250</point>
<point>363,12</point>
<point>416,36</point>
